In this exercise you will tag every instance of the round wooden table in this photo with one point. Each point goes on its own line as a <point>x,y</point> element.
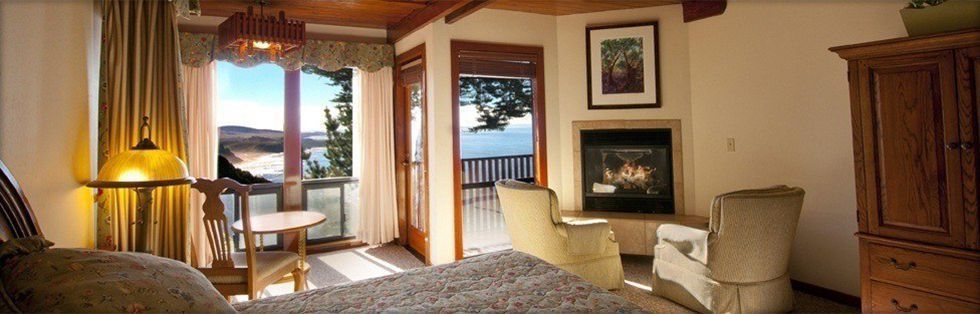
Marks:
<point>284,222</point>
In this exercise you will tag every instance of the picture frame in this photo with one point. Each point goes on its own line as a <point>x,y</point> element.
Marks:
<point>623,65</point>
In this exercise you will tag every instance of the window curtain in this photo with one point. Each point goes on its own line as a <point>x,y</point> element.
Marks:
<point>202,150</point>
<point>140,76</point>
<point>375,154</point>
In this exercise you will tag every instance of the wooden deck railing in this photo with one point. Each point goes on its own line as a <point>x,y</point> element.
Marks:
<point>481,209</point>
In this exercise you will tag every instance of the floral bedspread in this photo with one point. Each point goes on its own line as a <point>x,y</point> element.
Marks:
<point>500,282</point>
<point>36,278</point>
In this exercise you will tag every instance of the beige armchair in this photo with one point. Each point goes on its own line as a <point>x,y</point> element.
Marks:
<point>583,247</point>
<point>740,263</point>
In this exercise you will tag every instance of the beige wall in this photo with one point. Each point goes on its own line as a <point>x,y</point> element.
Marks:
<point>48,90</point>
<point>495,26</point>
<point>572,82</point>
<point>761,73</point>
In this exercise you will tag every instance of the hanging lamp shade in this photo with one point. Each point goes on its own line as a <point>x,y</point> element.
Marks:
<point>249,33</point>
<point>143,166</point>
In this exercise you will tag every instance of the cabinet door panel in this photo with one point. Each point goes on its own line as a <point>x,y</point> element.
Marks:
<point>909,114</point>
<point>967,71</point>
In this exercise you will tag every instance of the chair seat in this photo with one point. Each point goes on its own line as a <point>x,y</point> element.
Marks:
<point>266,264</point>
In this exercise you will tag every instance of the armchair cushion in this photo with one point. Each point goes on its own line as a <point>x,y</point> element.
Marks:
<point>689,242</point>
<point>586,236</point>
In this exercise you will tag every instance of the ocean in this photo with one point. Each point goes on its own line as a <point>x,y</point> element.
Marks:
<point>515,140</point>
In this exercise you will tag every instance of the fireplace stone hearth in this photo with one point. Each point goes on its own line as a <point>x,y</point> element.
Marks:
<point>628,166</point>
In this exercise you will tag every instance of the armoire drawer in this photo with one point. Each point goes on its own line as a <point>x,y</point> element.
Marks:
<point>927,271</point>
<point>886,298</point>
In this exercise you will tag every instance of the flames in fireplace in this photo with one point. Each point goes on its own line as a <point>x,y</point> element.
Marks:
<point>629,171</point>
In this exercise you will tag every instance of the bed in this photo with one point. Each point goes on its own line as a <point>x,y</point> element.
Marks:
<point>500,282</point>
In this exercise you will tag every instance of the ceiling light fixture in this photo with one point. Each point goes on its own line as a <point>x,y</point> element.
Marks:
<point>249,34</point>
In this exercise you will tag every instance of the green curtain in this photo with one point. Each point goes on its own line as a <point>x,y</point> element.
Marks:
<point>140,76</point>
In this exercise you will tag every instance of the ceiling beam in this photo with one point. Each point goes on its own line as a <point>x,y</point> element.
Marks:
<point>421,18</point>
<point>466,10</point>
<point>702,9</point>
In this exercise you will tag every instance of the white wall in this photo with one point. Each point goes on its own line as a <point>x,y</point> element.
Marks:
<point>572,88</point>
<point>761,73</point>
<point>49,65</point>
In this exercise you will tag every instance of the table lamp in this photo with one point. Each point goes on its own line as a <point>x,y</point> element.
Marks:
<point>142,168</point>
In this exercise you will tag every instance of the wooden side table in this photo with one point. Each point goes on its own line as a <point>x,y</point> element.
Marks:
<point>284,222</point>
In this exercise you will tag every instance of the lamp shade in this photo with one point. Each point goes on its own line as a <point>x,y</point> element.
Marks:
<point>142,166</point>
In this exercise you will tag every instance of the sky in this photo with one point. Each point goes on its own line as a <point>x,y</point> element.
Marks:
<point>254,97</point>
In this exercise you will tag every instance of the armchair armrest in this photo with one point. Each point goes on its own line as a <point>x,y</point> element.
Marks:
<point>586,236</point>
<point>689,241</point>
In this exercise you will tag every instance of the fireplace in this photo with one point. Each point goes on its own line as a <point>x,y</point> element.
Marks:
<point>627,170</point>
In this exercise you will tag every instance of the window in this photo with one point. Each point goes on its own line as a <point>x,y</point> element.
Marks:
<point>251,116</point>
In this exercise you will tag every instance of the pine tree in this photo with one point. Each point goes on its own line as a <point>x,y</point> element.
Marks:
<point>497,100</point>
<point>339,137</point>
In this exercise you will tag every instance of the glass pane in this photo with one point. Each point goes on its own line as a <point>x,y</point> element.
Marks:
<point>417,155</point>
<point>250,113</point>
<point>496,142</point>
<point>261,205</point>
<point>326,122</point>
<point>351,214</point>
<point>326,201</point>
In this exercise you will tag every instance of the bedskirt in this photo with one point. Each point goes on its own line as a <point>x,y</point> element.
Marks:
<point>499,282</point>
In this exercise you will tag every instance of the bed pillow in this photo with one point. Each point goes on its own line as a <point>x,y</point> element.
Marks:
<point>37,278</point>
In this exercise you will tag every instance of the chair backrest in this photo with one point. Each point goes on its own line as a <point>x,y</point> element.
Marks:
<point>216,223</point>
<point>752,233</point>
<point>530,211</point>
<point>16,217</point>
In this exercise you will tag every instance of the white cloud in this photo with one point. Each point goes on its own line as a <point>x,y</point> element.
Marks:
<point>255,115</point>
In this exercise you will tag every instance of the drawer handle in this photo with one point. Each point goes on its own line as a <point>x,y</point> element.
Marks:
<point>900,308</point>
<point>900,266</point>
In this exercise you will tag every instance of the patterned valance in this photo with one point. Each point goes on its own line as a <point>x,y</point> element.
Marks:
<point>198,49</point>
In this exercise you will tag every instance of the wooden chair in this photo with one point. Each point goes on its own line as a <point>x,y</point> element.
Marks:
<point>231,272</point>
<point>16,217</point>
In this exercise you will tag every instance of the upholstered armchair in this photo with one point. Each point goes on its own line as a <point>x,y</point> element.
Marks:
<point>583,247</point>
<point>740,263</point>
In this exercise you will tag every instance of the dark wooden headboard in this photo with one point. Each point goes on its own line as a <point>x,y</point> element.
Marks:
<point>16,217</point>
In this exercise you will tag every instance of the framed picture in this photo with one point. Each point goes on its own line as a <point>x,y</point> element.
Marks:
<point>623,66</point>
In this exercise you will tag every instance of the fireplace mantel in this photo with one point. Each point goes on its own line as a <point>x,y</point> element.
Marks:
<point>676,151</point>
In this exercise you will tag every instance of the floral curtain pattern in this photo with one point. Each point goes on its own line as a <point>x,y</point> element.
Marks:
<point>197,49</point>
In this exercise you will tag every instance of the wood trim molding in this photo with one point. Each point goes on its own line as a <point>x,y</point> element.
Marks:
<point>466,10</point>
<point>909,45</point>
<point>699,10</point>
<point>423,17</point>
<point>833,295</point>
<point>532,54</point>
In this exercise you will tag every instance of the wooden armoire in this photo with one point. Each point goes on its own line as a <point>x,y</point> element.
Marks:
<point>914,114</point>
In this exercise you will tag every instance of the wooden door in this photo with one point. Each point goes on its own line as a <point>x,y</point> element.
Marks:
<point>911,136</point>
<point>411,150</point>
<point>967,71</point>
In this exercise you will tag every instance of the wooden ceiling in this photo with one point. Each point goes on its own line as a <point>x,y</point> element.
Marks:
<point>401,17</point>
<point>388,13</point>
<point>566,7</point>
<point>358,13</point>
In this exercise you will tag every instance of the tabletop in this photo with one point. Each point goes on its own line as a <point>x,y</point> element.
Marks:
<point>282,222</point>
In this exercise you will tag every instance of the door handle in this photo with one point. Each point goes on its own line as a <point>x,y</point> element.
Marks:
<point>952,145</point>
<point>966,145</point>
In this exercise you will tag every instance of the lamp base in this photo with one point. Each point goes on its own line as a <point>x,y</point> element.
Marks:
<point>144,210</point>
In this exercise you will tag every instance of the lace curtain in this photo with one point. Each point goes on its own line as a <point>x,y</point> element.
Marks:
<point>198,49</point>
